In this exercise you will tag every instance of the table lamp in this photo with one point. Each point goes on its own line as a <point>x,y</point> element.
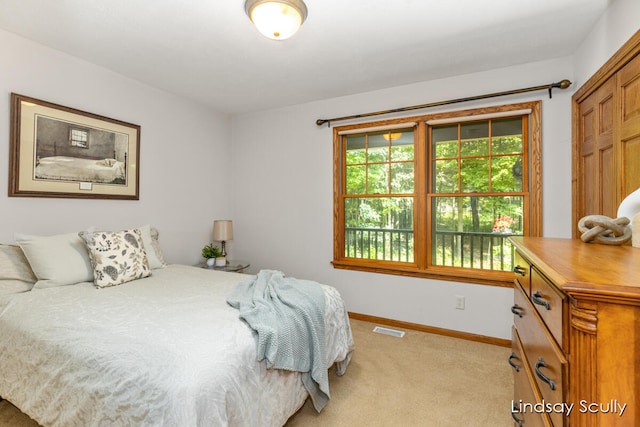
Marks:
<point>222,232</point>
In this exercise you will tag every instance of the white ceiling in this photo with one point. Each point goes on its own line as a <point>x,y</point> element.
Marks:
<point>208,50</point>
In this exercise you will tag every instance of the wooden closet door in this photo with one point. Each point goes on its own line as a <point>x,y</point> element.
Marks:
<point>628,83</point>
<point>596,159</point>
<point>606,136</point>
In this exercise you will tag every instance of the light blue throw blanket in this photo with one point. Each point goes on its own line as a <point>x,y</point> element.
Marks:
<point>288,316</point>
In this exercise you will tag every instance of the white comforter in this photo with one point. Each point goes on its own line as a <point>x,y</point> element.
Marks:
<point>162,351</point>
<point>64,168</point>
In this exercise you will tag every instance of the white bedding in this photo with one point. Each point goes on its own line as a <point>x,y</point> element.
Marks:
<point>166,350</point>
<point>64,168</point>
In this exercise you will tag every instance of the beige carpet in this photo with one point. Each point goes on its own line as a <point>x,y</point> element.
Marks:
<point>419,380</point>
<point>12,417</point>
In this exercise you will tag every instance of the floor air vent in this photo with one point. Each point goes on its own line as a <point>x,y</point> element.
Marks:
<point>387,331</point>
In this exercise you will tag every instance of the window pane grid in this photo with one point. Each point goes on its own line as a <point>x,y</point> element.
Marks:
<point>472,231</point>
<point>374,162</point>
<point>379,196</point>
<point>471,250</point>
<point>468,158</point>
<point>378,244</point>
<point>379,228</point>
<point>472,195</point>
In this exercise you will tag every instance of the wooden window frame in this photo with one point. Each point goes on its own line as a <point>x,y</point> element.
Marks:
<point>422,216</point>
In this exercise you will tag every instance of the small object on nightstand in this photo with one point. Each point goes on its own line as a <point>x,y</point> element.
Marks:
<point>210,252</point>
<point>231,265</point>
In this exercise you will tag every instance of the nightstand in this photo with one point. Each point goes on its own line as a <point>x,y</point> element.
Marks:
<point>232,265</point>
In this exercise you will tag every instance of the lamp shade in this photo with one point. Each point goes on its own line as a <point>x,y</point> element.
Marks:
<point>222,230</point>
<point>276,19</point>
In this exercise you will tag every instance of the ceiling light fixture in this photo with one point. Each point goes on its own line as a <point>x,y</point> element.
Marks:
<point>276,19</point>
<point>388,136</point>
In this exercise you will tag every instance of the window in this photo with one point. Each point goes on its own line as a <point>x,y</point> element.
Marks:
<point>379,199</point>
<point>78,138</point>
<point>438,195</point>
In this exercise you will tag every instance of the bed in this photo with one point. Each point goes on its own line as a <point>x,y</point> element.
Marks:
<point>65,168</point>
<point>165,349</point>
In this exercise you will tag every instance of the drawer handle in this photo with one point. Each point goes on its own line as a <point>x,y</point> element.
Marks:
<point>517,310</point>
<point>520,270</point>
<point>537,298</point>
<point>540,364</point>
<point>513,365</point>
<point>514,411</point>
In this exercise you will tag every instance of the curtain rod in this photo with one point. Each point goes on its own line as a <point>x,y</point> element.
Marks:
<point>563,84</point>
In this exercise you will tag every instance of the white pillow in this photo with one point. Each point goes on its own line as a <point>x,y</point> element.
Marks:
<point>58,260</point>
<point>151,247</point>
<point>117,257</point>
<point>14,286</point>
<point>15,273</point>
<point>23,236</point>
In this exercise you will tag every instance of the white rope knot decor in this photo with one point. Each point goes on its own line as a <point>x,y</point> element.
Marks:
<point>602,229</point>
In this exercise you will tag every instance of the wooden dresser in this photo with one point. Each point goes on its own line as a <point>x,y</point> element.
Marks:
<point>576,333</point>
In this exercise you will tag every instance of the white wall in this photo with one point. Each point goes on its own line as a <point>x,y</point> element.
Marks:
<point>282,179</point>
<point>282,169</point>
<point>184,149</point>
<point>620,21</point>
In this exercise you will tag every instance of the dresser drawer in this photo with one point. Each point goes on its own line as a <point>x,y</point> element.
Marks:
<point>522,309</point>
<point>545,360</point>
<point>550,305</point>
<point>525,392</point>
<point>522,271</point>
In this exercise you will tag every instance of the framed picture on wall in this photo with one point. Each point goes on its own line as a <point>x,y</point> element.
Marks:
<point>57,151</point>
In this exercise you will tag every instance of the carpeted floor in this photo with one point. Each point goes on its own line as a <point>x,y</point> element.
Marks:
<point>419,380</point>
<point>10,416</point>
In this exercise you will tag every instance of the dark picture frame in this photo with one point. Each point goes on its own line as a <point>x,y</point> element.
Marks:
<point>58,151</point>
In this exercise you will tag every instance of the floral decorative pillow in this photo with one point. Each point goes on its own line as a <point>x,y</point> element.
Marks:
<point>116,257</point>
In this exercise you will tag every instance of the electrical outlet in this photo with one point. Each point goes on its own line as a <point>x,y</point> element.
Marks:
<point>460,302</point>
